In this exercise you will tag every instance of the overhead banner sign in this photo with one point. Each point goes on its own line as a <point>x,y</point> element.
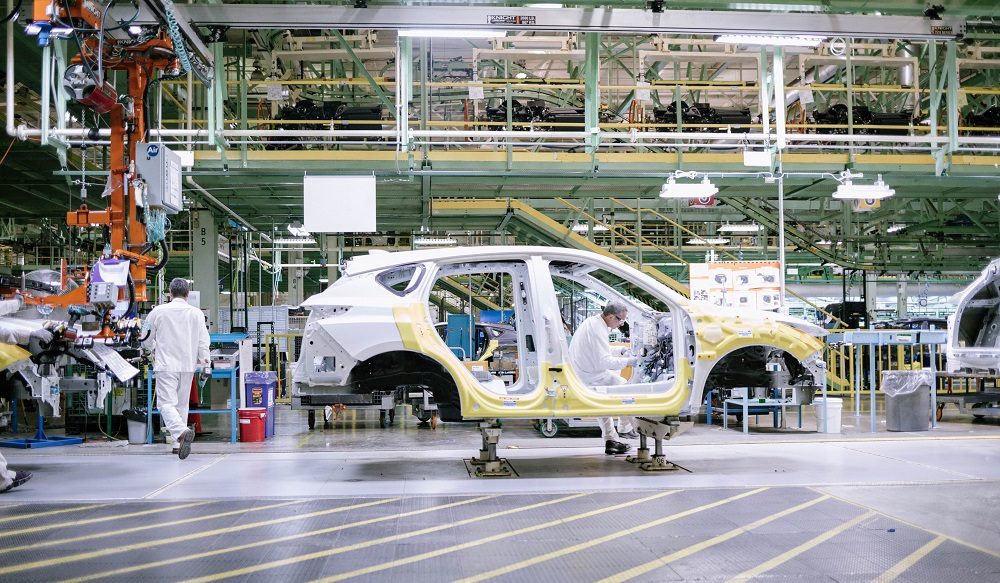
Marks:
<point>338,204</point>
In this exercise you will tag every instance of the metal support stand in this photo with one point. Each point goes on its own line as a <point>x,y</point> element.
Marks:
<point>658,430</point>
<point>487,464</point>
<point>40,439</point>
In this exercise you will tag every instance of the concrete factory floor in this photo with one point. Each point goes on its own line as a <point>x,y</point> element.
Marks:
<point>359,501</point>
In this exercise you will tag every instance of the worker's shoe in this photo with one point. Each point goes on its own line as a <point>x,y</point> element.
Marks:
<point>19,478</point>
<point>184,444</point>
<point>629,434</point>
<point>612,447</point>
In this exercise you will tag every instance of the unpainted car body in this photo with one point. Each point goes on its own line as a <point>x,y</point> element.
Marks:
<point>372,331</point>
<point>974,328</point>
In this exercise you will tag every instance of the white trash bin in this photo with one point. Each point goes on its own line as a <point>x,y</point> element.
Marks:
<point>834,406</point>
<point>136,420</point>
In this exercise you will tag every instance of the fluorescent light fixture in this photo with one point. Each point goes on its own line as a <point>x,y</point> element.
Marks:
<point>295,241</point>
<point>795,40</point>
<point>450,33</point>
<point>824,242</point>
<point>710,241</point>
<point>895,228</point>
<point>740,228</point>
<point>434,241</point>
<point>324,280</point>
<point>878,190</point>
<point>703,189</point>
<point>582,228</point>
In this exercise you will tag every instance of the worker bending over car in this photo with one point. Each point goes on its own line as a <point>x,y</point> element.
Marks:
<point>591,357</point>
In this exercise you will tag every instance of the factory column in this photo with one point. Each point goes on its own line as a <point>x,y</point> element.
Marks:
<point>205,263</point>
<point>901,296</point>
<point>333,251</point>
<point>296,278</point>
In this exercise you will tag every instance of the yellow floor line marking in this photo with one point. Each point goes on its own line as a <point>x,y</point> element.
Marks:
<point>798,550</point>
<point>378,541</point>
<point>907,562</point>
<point>52,561</point>
<point>601,540</point>
<point>134,529</point>
<point>696,548</point>
<point>190,474</point>
<point>487,540</point>
<point>51,512</point>
<point>305,439</point>
<point>973,546</point>
<point>4,533</point>
<point>270,541</point>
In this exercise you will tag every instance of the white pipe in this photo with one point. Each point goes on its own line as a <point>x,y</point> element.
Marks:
<point>11,130</point>
<point>819,139</point>
<point>711,139</point>
<point>46,92</point>
<point>225,208</point>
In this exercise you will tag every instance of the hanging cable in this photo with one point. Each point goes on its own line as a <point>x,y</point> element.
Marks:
<point>174,29</point>
<point>100,44</point>
<point>13,13</point>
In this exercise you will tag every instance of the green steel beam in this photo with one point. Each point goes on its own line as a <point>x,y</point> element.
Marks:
<point>360,67</point>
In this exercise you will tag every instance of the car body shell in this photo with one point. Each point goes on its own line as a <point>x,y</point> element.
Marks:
<point>358,319</point>
<point>974,327</point>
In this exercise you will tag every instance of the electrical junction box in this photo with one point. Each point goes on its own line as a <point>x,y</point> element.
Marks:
<point>160,168</point>
<point>102,293</point>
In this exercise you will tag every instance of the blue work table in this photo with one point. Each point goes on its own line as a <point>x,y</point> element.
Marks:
<point>232,374</point>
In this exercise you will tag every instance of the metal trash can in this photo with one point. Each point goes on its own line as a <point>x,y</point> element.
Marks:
<point>907,399</point>
<point>136,419</point>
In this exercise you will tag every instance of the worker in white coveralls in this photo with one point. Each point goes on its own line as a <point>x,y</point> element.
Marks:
<point>10,354</point>
<point>178,339</point>
<point>597,364</point>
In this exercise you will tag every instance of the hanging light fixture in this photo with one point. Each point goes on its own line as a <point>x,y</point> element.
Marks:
<point>672,189</point>
<point>582,228</point>
<point>739,228</point>
<point>434,241</point>
<point>793,40</point>
<point>877,190</point>
<point>709,241</point>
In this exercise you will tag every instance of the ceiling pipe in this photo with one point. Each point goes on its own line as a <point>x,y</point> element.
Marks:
<point>11,130</point>
<point>218,203</point>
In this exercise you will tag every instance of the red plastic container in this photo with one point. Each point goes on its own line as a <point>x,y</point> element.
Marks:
<point>252,423</point>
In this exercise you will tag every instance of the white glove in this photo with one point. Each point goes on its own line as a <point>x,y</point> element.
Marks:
<point>632,361</point>
<point>42,335</point>
<point>624,351</point>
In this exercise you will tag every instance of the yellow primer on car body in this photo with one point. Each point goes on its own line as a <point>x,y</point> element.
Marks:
<point>720,334</point>
<point>560,392</point>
